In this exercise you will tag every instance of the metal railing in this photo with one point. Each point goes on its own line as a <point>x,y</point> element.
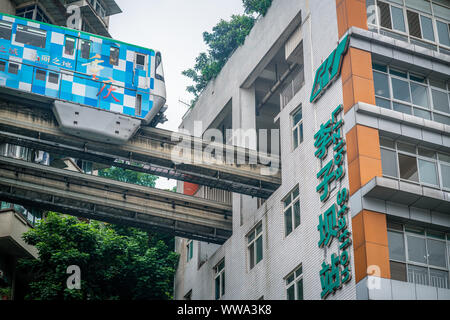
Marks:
<point>293,85</point>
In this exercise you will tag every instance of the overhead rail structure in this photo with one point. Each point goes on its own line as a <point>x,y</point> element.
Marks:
<point>31,123</point>
<point>102,199</point>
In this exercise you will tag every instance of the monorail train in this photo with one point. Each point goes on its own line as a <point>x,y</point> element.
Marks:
<point>103,89</point>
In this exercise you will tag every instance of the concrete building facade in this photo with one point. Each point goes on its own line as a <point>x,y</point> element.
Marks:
<point>359,91</point>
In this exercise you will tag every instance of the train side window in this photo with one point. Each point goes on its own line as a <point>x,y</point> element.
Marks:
<point>114,56</point>
<point>140,61</point>
<point>31,36</point>
<point>69,47</point>
<point>85,49</point>
<point>13,68</point>
<point>2,65</point>
<point>138,109</point>
<point>41,75</point>
<point>53,78</point>
<point>5,30</point>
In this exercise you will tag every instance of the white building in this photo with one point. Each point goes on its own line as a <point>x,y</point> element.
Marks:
<point>396,165</point>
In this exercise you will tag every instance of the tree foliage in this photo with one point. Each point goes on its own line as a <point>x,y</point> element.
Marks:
<point>116,262</point>
<point>257,6</point>
<point>224,39</point>
<point>129,176</point>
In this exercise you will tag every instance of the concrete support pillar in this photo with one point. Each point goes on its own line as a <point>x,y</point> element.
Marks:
<point>244,119</point>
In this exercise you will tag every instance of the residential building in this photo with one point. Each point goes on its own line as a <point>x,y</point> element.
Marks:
<point>359,91</point>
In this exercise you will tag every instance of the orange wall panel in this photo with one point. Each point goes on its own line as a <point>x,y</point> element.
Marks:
<point>351,13</point>
<point>370,244</point>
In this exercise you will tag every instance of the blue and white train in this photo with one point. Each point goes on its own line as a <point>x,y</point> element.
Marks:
<point>103,89</point>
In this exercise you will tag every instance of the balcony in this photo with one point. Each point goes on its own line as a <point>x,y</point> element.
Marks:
<point>12,226</point>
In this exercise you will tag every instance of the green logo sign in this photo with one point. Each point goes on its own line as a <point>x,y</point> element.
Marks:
<point>329,70</point>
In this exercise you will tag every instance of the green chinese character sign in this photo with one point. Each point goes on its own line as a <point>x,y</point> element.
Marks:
<point>329,70</point>
<point>333,222</point>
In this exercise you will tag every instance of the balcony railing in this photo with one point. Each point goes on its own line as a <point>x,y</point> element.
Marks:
<point>293,85</point>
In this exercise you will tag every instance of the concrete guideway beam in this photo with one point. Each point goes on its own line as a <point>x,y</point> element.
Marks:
<point>112,201</point>
<point>150,151</point>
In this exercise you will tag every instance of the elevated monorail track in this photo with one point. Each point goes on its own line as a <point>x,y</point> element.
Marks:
<point>102,199</point>
<point>31,123</point>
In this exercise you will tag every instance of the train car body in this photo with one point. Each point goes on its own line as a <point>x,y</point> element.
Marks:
<point>103,89</point>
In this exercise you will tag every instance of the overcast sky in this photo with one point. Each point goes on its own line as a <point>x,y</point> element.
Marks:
<point>175,28</point>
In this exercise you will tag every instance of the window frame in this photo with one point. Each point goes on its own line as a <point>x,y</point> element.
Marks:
<point>435,44</point>
<point>219,273</point>
<point>429,88</point>
<point>189,251</point>
<point>407,262</point>
<point>253,243</point>
<point>437,162</point>
<point>290,206</point>
<point>297,126</point>
<point>297,278</point>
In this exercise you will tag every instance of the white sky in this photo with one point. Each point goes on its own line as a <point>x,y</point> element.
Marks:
<point>174,27</point>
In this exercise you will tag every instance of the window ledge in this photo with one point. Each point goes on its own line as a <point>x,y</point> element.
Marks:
<point>375,38</point>
<point>407,193</point>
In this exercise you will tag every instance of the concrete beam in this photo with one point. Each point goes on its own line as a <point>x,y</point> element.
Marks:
<point>150,151</point>
<point>113,201</point>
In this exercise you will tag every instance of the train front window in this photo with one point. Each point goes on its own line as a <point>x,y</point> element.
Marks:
<point>31,36</point>
<point>2,65</point>
<point>114,56</point>
<point>69,48</point>
<point>85,49</point>
<point>5,30</point>
<point>159,73</point>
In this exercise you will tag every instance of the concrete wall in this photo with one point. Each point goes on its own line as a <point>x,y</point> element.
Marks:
<point>6,6</point>
<point>281,254</point>
<point>12,227</point>
<point>321,33</point>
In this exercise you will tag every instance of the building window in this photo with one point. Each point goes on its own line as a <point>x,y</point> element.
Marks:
<point>189,250</point>
<point>416,164</point>
<point>294,285</point>
<point>291,211</point>
<point>420,22</point>
<point>219,280</point>
<point>255,245</point>
<point>418,255</point>
<point>297,128</point>
<point>411,93</point>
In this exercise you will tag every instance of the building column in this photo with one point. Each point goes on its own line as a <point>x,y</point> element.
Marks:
<point>371,252</point>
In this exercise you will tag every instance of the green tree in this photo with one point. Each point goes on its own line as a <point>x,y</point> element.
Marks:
<point>116,262</point>
<point>224,39</point>
<point>257,6</point>
<point>129,176</point>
